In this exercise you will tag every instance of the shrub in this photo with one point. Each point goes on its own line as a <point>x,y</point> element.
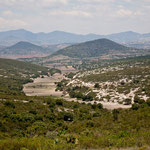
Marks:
<point>141,101</point>
<point>96,115</point>
<point>135,107</point>
<point>90,124</point>
<point>52,104</point>
<point>136,99</point>
<point>59,102</point>
<point>89,97</point>
<point>33,112</point>
<point>79,95</point>
<point>127,101</point>
<point>70,75</point>
<point>115,113</point>
<point>72,94</point>
<point>100,106</point>
<point>68,117</point>
<point>49,101</point>
<point>9,104</point>
<point>148,102</point>
<point>76,106</point>
<point>93,106</point>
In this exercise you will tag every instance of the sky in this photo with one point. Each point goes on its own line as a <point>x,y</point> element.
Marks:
<point>76,16</point>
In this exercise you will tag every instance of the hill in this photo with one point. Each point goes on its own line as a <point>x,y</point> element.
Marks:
<point>26,49</point>
<point>22,48</point>
<point>92,49</point>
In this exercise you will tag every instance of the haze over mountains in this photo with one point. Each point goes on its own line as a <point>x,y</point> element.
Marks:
<point>9,38</point>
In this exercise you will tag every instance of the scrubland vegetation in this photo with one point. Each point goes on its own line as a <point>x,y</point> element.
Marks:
<point>33,123</point>
<point>51,123</point>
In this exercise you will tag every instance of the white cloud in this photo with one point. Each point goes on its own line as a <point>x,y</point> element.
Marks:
<point>96,1</point>
<point>99,16</point>
<point>121,13</point>
<point>77,13</point>
<point>8,13</point>
<point>33,3</point>
<point>15,23</point>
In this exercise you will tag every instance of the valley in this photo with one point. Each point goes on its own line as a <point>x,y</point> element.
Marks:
<point>74,75</point>
<point>75,109</point>
<point>47,87</point>
<point>92,95</point>
<point>118,84</point>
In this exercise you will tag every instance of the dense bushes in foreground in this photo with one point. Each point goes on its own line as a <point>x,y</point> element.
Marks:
<point>51,123</point>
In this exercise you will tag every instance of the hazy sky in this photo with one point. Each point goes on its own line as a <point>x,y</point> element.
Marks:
<point>77,16</point>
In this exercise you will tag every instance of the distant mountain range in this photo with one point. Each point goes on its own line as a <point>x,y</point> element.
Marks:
<point>94,48</point>
<point>9,38</point>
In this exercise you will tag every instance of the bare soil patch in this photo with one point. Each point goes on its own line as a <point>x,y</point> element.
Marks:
<point>43,86</point>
